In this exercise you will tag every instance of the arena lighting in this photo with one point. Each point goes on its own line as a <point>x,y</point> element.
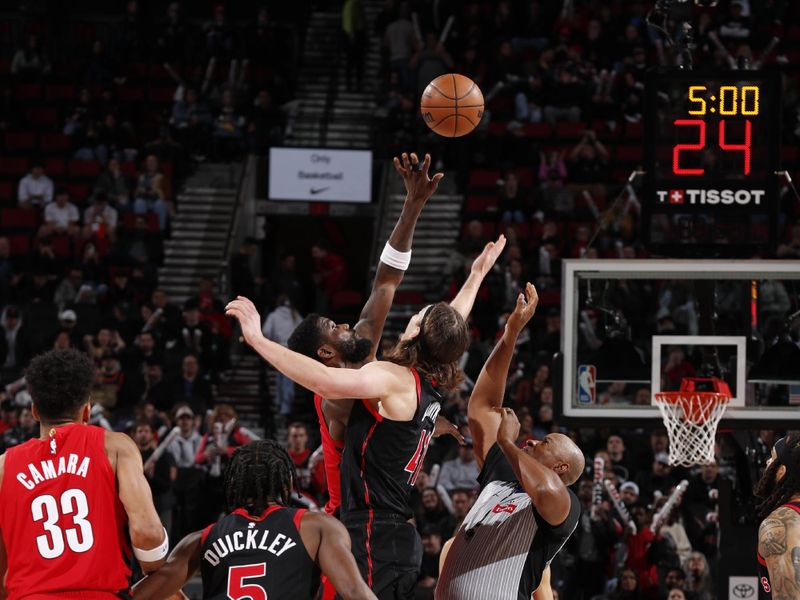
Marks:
<point>781,362</point>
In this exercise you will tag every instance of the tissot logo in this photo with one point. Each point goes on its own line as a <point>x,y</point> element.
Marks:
<point>741,197</point>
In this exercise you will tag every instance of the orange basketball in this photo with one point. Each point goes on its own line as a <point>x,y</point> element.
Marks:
<point>452,105</point>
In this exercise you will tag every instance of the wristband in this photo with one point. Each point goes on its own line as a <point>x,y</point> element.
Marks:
<point>154,554</point>
<point>395,258</point>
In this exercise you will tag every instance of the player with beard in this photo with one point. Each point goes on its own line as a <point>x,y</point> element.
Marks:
<point>779,533</point>
<point>388,432</point>
<point>340,346</point>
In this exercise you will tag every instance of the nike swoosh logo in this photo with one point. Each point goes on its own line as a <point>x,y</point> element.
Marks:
<point>314,192</point>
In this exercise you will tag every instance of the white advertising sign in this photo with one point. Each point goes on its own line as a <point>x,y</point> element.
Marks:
<point>742,588</point>
<point>320,175</point>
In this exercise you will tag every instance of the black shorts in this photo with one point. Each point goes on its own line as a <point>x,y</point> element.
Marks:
<point>388,551</point>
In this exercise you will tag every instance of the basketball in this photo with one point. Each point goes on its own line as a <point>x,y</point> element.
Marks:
<point>452,105</point>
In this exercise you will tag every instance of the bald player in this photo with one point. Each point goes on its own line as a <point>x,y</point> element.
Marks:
<point>525,513</point>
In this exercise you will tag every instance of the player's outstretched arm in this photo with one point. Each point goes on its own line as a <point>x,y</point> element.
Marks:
<point>336,560</point>
<point>779,545</point>
<point>480,268</point>
<point>548,493</point>
<point>419,188</point>
<point>167,581</point>
<point>148,536</point>
<point>490,387</point>
<point>370,381</point>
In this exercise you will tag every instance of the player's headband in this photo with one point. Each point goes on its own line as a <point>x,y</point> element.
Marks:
<point>784,454</point>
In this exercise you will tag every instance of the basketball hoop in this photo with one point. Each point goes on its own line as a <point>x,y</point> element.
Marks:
<point>691,416</point>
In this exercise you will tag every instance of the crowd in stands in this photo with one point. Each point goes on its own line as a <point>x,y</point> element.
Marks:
<point>102,117</point>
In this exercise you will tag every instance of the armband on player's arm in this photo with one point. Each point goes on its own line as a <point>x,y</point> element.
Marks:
<point>395,258</point>
<point>154,554</point>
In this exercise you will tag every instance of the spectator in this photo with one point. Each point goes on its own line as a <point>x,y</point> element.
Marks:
<point>30,63</point>
<point>278,326</point>
<point>67,291</point>
<point>214,452</point>
<point>310,479</point>
<point>400,41</point>
<point>191,119</point>
<point>115,185</point>
<point>627,587</point>
<point>67,320</point>
<point>354,25</point>
<point>675,578</point>
<point>659,479</point>
<point>188,484</point>
<point>615,446</point>
<point>106,342</point>
<point>263,40</point>
<point>462,501</point>
<point>35,189</point>
<point>588,159</point>
<point>698,577</point>
<point>431,551</point>
<point>434,513</point>
<point>220,36</point>
<point>190,387</point>
<point>172,41</point>
<point>150,195</point>
<point>228,128</point>
<point>429,61</point>
<point>512,204</point>
<point>60,217</point>
<point>330,274</point>
<point>528,101</point>
<point>265,123</point>
<point>99,69</point>
<point>143,246</point>
<point>130,34</point>
<point>160,473</point>
<point>474,241</point>
<point>17,342</point>
<point>629,492</point>
<point>6,269</point>
<point>734,27</point>
<point>461,473</point>
<point>100,219</point>
<point>243,281</point>
<point>156,389</point>
<point>26,428</point>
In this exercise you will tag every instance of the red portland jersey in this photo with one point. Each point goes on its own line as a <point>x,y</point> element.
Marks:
<point>332,451</point>
<point>62,522</point>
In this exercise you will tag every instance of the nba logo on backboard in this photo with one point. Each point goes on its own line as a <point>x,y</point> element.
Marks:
<point>587,375</point>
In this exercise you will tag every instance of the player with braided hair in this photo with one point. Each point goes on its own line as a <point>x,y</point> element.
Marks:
<point>779,533</point>
<point>262,548</point>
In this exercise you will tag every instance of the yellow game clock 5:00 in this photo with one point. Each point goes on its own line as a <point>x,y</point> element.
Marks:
<point>730,100</point>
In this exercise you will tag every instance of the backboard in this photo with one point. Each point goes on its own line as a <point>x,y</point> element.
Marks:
<point>634,327</point>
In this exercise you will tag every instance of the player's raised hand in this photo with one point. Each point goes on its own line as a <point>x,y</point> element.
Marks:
<point>524,310</point>
<point>445,427</point>
<point>491,252</point>
<point>509,425</point>
<point>419,187</point>
<point>244,311</point>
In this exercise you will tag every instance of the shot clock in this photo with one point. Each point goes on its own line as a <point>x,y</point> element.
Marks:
<point>711,152</point>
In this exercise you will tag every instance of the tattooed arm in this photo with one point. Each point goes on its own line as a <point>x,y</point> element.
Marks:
<point>779,545</point>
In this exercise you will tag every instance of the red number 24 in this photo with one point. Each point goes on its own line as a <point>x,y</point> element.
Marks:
<point>237,590</point>
<point>701,125</point>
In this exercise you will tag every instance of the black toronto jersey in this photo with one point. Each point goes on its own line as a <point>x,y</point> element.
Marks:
<point>764,584</point>
<point>503,545</point>
<point>257,557</point>
<point>382,458</point>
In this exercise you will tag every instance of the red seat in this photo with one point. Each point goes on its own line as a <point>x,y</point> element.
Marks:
<point>42,117</point>
<point>83,168</point>
<point>6,191</point>
<point>28,91</point>
<point>525,177</point>
<point>481,204</point>
<point>60,91</point>
<point>345,299</point>
<point>569,131</point>
<point>20,141</point>
<point>483,178</point>
<point>498,128</point>
<point>19,218</point>
<point>163,95</point>
<point>540,131</point>
<point>61,245</point>
<point>20,244</point>
<point>54,142</point>
<point>634,131</point>
<point>78,192</point>
<point>54,167</point>
<point>128,168</point>
<point>130,94</point>
<point>628,154</point>
<point>13,166</point>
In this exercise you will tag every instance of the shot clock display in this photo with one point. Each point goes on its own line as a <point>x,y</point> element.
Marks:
<point>711,152</point>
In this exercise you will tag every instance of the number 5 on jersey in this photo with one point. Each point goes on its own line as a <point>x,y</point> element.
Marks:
<point>414,465</point>
<point>72,502</point>
<point>238,590</point>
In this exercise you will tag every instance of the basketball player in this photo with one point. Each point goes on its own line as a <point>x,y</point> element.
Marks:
<point>261,549</point>
<point>65,497</point>
<point>338,345</point>
<point>388,433</point>
<point>525,512</point>
<point>779,533</point>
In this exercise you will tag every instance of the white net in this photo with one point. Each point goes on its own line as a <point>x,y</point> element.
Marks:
<point>691,419</point>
